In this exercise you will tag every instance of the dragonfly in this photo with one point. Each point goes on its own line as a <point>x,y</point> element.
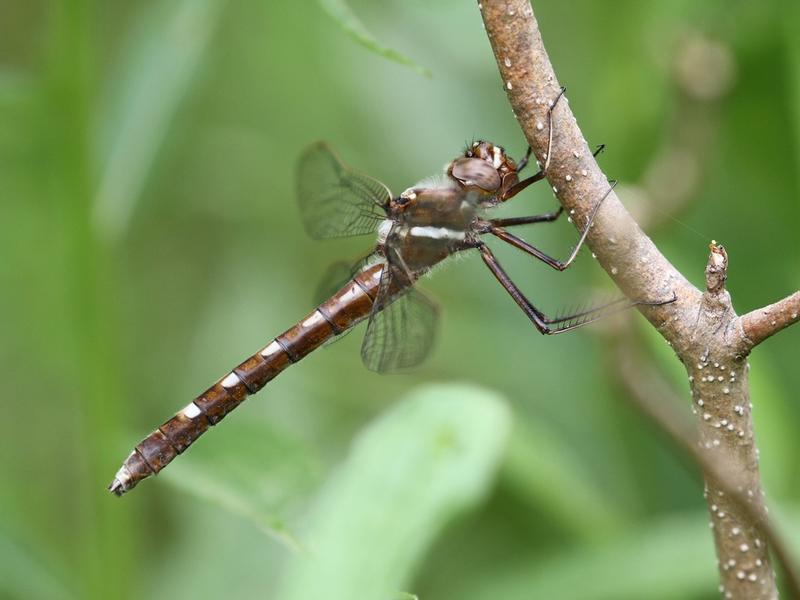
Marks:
<point>422,227</point>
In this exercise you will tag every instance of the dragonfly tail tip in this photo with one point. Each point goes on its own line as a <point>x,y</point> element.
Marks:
<point>117,488</point>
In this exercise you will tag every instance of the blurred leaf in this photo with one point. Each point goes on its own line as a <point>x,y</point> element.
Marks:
<point>162,54</point>
<point>790,23</point>
<point>671,558</point>
<point>341,12</point>
<point>252,471</point>
<point>408,474</point>
<point>23,576</point>
<point>774,426</point>
<point>15,86</point>
<point>548,472</point>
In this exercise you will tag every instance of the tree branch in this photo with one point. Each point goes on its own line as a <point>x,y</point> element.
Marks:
<point>703,329</point>
<point>653,396</point>
<point>762,323</point>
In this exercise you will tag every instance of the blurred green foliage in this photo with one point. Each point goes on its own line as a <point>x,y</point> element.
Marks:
<point>149,240</point>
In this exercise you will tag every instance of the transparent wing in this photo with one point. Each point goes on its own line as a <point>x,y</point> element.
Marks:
<point>336,275</point>
<point>336,201</point>
<point>332,280</point>
<point>401,328</point>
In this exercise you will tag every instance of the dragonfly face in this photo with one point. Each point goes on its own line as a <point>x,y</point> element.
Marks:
<point>485,169</point>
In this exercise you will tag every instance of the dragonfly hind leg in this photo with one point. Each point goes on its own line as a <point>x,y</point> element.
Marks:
<point>553,326</point>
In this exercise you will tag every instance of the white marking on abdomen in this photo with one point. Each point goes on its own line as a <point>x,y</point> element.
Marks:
<point>230,380</point>
<point>190,411</point>
<point>271,348</point>
<point>377,275</point>
<point>351,292</point>
<point>437,233</point>
<point>124,475</point>
<point>312,321</point>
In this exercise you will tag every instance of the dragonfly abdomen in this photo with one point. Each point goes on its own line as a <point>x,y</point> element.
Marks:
<point>343,310</point>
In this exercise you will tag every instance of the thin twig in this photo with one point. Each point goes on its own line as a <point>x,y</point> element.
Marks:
<point>764,322</point>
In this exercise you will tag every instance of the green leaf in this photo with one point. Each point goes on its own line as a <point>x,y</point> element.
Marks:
<point>430,458</point>
<point>775,427</point>
<point>23,575</point>
<point>549,474</point>
<point>163,53</point>
<point>790,22</point>
<point>667,559</point>
<point>252,471</point>
<point>341,12</point>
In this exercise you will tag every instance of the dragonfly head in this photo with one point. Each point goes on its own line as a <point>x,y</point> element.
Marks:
<point>484,168</point>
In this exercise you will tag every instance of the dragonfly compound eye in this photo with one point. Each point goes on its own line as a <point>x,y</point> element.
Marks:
<point>476,172</point>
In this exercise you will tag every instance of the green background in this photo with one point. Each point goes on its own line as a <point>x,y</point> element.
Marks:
<point>149,241</point>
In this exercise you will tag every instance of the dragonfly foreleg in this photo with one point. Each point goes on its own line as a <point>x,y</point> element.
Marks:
<point>516,189</point>
<point>523,162</point>
<point>521,185</point>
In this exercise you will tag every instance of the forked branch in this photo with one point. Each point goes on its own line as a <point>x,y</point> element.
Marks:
<point>702,327</point>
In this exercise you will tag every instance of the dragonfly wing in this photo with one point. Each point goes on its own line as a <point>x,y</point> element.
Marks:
<point>337,275</point>
<point>336,201</point>
<point>401,328</point>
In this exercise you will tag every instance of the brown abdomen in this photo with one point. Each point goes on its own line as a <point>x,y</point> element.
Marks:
<point>345,309</point>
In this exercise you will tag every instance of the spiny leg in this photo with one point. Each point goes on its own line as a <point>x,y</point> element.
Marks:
<point>565,323</point>
<point>535,315</point>
<point>514,221</point>
<point>559,265</point>
<point>609,308</point>
<point>523,162</point>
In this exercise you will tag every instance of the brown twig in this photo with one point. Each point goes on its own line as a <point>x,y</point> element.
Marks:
<point>762,323</point>
<point>702,327</point>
